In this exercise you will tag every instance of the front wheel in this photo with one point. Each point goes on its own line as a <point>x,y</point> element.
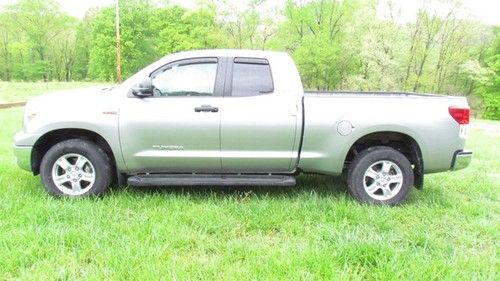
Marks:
<point>75,168</point>
<point>380,175</point>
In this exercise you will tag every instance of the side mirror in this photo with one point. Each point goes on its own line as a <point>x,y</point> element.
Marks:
<point>143,89</point>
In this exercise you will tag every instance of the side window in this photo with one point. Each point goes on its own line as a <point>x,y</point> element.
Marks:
<point>251,77</point>
<point>190,79</point>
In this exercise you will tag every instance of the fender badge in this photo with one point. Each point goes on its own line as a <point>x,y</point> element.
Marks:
<point>168,147</point>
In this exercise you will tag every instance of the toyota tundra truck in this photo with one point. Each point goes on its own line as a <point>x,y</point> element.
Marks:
<point>238,118</point>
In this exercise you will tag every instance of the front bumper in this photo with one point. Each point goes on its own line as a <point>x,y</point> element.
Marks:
<point>23,148</point>
<point>461,160</point>
<point>23,157</point>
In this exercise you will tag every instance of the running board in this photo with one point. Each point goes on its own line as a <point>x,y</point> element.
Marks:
<point>210,180</point>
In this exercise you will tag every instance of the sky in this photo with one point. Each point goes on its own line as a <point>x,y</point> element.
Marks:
<point>486,11</point>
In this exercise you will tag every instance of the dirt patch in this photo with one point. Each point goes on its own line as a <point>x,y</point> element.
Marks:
<point>12,104</point>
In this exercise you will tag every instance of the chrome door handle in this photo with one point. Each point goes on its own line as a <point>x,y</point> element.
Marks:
<point>206,108</point>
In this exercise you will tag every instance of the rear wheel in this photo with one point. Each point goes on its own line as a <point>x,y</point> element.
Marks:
<point>380,175</point>
<point>75,168</point>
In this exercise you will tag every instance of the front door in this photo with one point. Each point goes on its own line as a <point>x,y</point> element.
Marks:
<point>176,130</point>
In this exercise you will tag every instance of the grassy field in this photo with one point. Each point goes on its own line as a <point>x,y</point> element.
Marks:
<point>448,231</point>
<point>21,91</point>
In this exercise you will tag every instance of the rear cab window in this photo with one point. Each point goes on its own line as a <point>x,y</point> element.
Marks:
<point>251,77</point>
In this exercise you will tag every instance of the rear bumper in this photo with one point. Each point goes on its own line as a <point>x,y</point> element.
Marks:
<point>461,160</point>
<point>23,156</point>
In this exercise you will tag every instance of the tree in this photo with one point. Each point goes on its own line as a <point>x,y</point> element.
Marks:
<point>83,45</point>
<point>490,86</point>
<point>41,21</point>
<point>315,32</point>
<point>250,27</point>
<point>6,38</point>
<point>148,32</point>
<point>136,38</point>
<point>337,45</point>
<point>179,30</point>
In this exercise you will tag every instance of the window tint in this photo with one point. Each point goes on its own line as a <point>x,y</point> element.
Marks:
<point>195,79</point>
<point>251,78</point>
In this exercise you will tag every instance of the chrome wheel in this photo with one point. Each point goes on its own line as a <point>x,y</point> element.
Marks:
<point>383,180</point>
<point>73,174</point>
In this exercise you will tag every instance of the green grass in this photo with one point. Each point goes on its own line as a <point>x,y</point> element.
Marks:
<point>21,91</point>
<point>449,231</point>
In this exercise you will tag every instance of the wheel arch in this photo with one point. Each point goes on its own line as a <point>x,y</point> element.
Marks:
<point>49,139</point>
<point>402,142</point>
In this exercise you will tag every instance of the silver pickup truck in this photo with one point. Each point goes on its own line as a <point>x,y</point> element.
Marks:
<point>237,117</point>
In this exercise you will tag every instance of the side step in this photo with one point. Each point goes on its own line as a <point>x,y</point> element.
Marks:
<point>210,180</point>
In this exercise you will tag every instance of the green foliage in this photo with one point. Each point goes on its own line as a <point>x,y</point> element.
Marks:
<point>180,29</point>
<point>136,40</point>
<point>316,58</point>
<point>147,33</point>
<point>337,45</point>
<point>490,87</point>
<point>83,46</point>
<point>39,25</point>
<point>315,33</point>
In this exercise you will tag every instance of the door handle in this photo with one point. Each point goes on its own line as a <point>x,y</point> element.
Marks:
<point>206,108</point>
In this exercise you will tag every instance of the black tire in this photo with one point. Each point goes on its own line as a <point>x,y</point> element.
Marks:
<point>94,154</point>
<point>363,161</point>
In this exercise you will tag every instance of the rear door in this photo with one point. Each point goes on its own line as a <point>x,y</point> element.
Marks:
<point>258,120</point>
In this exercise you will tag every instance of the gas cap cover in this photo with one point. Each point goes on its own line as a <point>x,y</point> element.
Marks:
<point>344,128</point>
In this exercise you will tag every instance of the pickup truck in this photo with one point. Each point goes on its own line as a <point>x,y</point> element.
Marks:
<point>238,117</point>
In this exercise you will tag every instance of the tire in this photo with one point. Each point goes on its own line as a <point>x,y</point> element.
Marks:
<point>75,168</point>
<point>380,175</point>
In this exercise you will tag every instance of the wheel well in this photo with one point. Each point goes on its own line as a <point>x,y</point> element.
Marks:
<point>399,141</point>
<point>51,138</point>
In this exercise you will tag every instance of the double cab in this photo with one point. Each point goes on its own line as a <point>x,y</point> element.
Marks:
<point>238,117</point>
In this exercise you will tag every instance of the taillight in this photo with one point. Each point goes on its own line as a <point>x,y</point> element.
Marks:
<point>460,114</point>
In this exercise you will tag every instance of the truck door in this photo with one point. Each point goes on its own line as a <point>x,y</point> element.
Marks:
<point>176,130</point>
<point>259,122</point>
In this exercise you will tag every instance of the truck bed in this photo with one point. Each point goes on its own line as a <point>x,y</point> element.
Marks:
<point>423,117</point>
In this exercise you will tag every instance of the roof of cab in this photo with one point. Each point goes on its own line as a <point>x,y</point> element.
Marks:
<point>221,53</point>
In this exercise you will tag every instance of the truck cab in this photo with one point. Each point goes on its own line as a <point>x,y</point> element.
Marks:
<point>215,112</point>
